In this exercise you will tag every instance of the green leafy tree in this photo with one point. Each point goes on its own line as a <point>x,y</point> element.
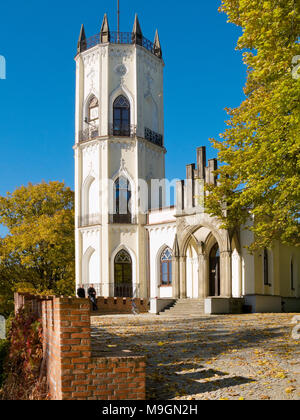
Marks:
<point>260,148</point>
<point>38,252</point>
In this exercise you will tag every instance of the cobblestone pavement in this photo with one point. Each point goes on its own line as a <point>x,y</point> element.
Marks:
<point>232,357</point>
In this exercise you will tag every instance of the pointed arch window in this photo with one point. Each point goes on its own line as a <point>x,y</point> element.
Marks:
<point>266,268</point>
<point>121,117</point>
<point>292,275</point>
<point>122,196</point>
<point>93,109</point>
<point>123,275</point>
<point>166,267</point>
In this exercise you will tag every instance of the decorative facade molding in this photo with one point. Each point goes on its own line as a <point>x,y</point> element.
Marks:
<point>124,53</point>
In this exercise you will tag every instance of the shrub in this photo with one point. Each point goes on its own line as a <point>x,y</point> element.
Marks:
<point>4,348</point>
<point>23,369</point>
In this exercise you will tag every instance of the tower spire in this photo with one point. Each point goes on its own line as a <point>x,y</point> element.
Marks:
<point>105,32</point>
<point>137,35</point>
<point>81,45</point>
<point>157,45</point>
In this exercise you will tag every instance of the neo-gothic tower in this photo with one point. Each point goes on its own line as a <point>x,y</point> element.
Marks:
<point>119,141</point>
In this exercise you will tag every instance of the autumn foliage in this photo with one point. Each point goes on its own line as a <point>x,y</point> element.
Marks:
<point>38,253</point>
<point>260,149</point>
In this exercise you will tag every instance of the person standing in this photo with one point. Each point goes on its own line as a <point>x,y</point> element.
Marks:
<point>93,297</point>
<point>81,292</point>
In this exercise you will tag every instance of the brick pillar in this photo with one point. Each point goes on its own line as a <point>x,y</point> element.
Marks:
<point>67,341</point>
<point>75,347</point>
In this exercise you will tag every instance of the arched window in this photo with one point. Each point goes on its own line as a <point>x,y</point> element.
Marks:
<point>121,125</point>
<point>166,268</point>
<point>292,275</point>
<point>123,275</point>
<point>93,110</point>
<point>266,267</point>
<point>122,194</point>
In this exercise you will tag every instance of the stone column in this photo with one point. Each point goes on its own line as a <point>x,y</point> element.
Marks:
<point>226,275</point>
<point>237,271</point>
<point>183,277</point>
<point>202,276</point>
<point>176,277</point>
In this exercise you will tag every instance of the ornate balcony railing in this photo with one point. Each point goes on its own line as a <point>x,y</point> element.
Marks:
<point>89,134</point>
<point>92,133</point>
<point>122,219</point>
<point>89,220</point>
<point>119,38</point>
<point>153,137</point>
<point>125,131</point>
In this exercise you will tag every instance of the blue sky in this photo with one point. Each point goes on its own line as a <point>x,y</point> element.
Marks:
<point>203,75</point>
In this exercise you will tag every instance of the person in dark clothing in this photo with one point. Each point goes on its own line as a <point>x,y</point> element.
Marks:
<point>93,297</point>
<point>81,292</point>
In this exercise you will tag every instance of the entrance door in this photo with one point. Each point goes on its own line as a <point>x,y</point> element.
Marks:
<point>214,272</point>
<point>123,275</point>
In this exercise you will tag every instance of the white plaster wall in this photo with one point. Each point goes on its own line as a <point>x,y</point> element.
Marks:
<point>162,216</point>
<point>248,269</point>
<point>192,273</point>
<point>236,274</point>
<point>159,238</point>
<point>90,256</point>
<point>165,292</point>
<point>260,303</point>
<point>189,276</point>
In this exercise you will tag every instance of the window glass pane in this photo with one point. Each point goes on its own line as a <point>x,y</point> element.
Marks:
<point>170,273</point>
<point>164,268</point>
<point>164,279</point>
<point>117,114</point>
<point>127,273</point>
<point>166,255</point>
<point>118,273</point>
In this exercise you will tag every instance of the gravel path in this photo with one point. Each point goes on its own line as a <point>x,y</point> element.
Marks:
<point>232,357</point>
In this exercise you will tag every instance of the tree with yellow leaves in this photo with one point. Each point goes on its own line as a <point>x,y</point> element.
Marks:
<point>38,252</point>
<point>260,149</point>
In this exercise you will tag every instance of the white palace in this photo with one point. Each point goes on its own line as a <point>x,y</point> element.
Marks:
<point>128,244</point>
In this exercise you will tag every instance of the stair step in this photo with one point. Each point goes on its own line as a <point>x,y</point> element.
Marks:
<point>185,308</point>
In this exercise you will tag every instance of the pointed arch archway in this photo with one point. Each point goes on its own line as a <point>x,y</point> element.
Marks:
<point>203,238</point>
<point>90,201</point>
<point>123,286</point>
<point>89,267</point>
<point>132,256</point>
<point>214,271</point>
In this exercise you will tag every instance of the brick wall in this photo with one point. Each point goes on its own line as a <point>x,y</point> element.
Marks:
<point>112,305</point>
<point>72,372</point>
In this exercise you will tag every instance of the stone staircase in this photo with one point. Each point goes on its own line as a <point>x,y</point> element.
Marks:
<point>184,308</point>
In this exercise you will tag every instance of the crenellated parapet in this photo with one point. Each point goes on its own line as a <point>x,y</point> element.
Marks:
<point>190,193</point>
